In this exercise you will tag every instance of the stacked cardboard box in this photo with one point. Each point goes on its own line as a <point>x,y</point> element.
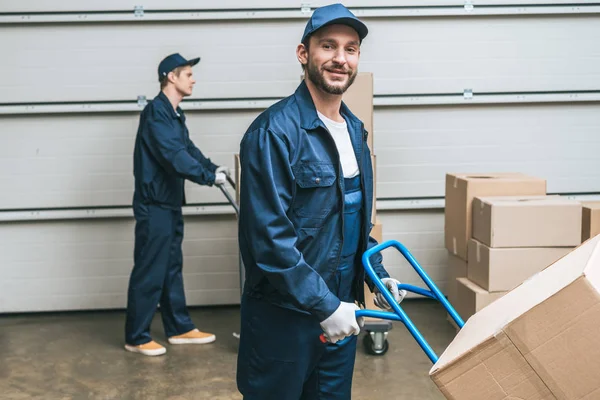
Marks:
<point>514,238</point>
<point>590,224</point>
<point>539,341</point>
<point>461,190</point>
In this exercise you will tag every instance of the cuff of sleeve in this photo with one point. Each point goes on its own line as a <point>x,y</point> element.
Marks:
<point>211,178</point>
<point>381,273</point>
<point>326,306</point>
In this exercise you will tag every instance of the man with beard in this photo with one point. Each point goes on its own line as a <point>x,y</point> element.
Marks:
<point>307,186</point>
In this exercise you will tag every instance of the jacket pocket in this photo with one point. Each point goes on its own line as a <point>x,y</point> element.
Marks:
<point>315,192</point>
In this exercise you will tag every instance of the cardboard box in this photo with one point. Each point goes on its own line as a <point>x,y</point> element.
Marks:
<point>238,176</point>
<point>377,234</point>
<point>590,224</point>
<point>374,206</point>
<point>539,341</point>
<point>501,270</point>
<point>462,188</point>
<point>457,268</point>
<point>527,221</point>
<point>471,298</point>
<point>359,98</point>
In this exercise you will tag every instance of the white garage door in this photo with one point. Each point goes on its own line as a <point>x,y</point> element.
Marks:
<point>469,88</point>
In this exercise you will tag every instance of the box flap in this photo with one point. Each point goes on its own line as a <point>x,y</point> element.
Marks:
<point>525,201</point>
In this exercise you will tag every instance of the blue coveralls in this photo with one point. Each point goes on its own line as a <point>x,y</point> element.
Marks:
<point>164,156</point>
<point>303,228</point>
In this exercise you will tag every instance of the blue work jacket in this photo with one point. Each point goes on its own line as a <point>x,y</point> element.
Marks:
<point>292,206</point>
<point>164,156</point>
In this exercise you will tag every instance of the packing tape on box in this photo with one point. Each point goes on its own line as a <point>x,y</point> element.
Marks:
<point>454,247</point>
<point>455,182</point>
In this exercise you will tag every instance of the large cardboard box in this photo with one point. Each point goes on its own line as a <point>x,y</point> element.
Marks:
<point>374,206</point>
<point>501,270</point>
<point>539,341</point>
<point>359,98</point>
<point>456,268</point>
<point>470,298</point>
<point>590,224</point>
<point>238,177</point>
<point>462,188</point>
<point>527,221</point>
<point>377,234</point>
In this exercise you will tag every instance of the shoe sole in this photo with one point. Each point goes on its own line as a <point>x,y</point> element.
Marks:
<point>205,340</point>
<point>151,353</point>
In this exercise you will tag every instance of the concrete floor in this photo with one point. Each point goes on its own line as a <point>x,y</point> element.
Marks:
<point>80,355</point>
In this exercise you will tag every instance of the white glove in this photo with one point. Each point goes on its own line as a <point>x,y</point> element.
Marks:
<point>392,285</point>
<point>220,178</point>
<point>224,169</point>
<point>341,323</point>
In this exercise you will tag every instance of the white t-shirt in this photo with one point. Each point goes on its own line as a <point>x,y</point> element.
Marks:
<point>341,137</point>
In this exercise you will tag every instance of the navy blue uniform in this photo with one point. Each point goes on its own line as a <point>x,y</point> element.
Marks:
<point>164,157</point>
<point>302,230</point>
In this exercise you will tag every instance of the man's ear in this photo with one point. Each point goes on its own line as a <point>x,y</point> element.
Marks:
<point>302,54</point>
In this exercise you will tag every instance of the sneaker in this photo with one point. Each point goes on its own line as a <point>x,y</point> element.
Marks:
<point>193,337</point>
<point>148,349</point>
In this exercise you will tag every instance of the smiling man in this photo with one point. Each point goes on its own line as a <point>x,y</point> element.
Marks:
<point>164,157</point>
<point>304,224</point>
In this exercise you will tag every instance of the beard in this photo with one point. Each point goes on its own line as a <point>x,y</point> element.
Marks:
<point>317,76</point>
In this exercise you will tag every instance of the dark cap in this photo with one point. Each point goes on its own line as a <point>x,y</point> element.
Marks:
<point>334,14</point>
<point>173,61</point>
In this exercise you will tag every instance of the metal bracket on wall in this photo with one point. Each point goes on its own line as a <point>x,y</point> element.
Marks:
<point>305,8</point>
<point>138,11</point>
<point>468,94</point>
<point>141,101</point>
<point>469,6</point>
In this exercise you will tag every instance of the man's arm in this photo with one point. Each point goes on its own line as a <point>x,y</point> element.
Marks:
<point>172,152</point>
<point>271,237</point>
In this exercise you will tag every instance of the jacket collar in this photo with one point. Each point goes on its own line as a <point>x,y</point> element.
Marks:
<point>308,112</point>
<point>164,100</point>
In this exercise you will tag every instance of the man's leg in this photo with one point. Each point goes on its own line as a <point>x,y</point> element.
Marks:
<point>332,378</point>
<point>176,319</point>
<point>151,257</point>
<point>278,349</point>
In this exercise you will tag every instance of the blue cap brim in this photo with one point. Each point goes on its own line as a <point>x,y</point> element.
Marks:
<point>191,62</point>
<point>357,25</point>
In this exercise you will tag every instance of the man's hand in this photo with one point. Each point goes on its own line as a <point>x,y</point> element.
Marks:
<point>220,178</point>
<point>224,169</point>
<point>341,323</point>
<point>392,285</point>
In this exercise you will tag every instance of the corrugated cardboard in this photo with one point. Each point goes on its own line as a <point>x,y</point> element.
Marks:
<point>462,188</point>
<point>527,221</point>
<point>377,234</point>
<point>238,177</point>
<point>374,207</point>
<point>539,341</point>
<point>471,298</point>
<point>359,98</point>
<point>457,268</point>
<point>590,224</point>
<point>501,270</point>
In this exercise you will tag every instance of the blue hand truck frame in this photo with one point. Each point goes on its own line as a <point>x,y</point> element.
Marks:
<point>397,313</point>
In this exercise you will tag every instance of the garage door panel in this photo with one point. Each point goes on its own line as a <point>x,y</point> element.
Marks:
<point>407,56</point>
<point>85,264</point>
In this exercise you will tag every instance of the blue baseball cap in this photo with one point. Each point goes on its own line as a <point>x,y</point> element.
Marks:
<point>173,61</point>
<point>333,14</point>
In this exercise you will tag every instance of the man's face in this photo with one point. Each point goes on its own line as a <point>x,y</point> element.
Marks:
<point>332,58</point>
<point>184,82</point>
